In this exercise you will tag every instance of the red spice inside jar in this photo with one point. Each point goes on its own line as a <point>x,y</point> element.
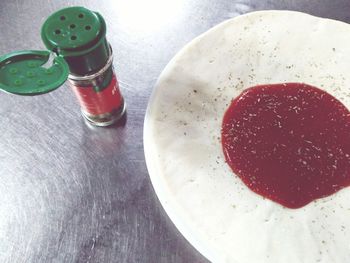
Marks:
<point>99,102</point>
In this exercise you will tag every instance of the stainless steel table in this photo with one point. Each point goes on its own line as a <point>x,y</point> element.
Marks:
<point>74,193</point>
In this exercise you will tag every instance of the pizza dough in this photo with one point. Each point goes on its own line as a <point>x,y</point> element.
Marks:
<point>209,204</point>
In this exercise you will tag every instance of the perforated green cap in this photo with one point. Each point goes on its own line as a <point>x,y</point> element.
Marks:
<point>78,35</point>
<point>31,72</point>
<point>72,29</point>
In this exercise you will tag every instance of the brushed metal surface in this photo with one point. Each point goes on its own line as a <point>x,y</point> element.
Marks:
<point>74,193</point>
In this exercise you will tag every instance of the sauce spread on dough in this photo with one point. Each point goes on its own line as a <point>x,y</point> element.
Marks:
<point>288,142</point>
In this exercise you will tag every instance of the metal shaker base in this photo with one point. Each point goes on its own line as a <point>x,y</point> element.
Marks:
<point>104,120</point>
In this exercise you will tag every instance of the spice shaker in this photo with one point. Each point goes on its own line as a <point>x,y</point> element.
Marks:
<point>79,52</point>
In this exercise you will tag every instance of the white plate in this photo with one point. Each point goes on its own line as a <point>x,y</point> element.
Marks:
<point>210,205</point>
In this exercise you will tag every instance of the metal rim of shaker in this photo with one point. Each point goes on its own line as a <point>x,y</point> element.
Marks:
<point>98,73</point>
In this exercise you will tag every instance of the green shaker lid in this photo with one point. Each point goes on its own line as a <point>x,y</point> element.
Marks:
<point>79,36</point>
<point>32,72</point>
<point>72,29</point>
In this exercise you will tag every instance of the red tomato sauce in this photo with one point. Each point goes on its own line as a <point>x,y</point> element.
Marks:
<point>288,142</point>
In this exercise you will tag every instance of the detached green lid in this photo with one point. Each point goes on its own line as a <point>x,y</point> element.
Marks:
<point>76,42</point>
<point>32,72</point>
